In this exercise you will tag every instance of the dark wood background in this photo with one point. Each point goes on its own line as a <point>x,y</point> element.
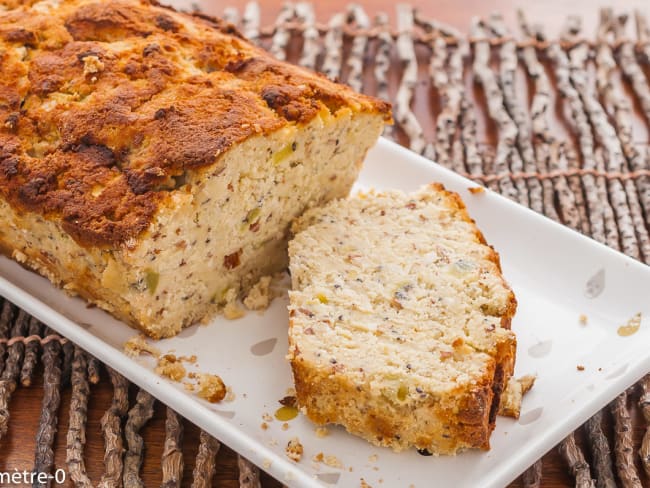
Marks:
<point>17,448</point>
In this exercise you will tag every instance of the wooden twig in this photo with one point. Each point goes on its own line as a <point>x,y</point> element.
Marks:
<point>575,459</point>
<point>357,16</point>
<point>541,133</point>
<point>643,34</point>
<point>249,474</point>
<point>473,162</point>
<point>644,404</point>
<point>32,350</point>
<point>600,452</point>
<point>523,155</point>
<point>6,314</point>
<point>506,127</point>
<point>624,445</point>
<point>76,438</point>
<point>111,424</point>
<point>67,349</point>
<point>310,37</point>
<point>11,372</point>
<point>612,152</point>
<point>139,415</point>
<point>532,477</point>
<point>634,74</point>
<point>251,22</point>
<point>404,116</point>
<point>94,368</point>
<point>231,14</point>
<point>282,35</point>
<point>619,110</point>
<point>585,139</point>
<point>382,65</point>
<point>334,47</point>
<point>446,74</point>
<point>206,461</point>
<point>47,425</point>
<point>172,457</point>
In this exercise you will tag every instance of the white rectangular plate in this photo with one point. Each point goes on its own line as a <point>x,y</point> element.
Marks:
<point>557,275</point>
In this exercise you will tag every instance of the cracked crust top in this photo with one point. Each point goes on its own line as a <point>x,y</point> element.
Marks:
<point>105,105</point>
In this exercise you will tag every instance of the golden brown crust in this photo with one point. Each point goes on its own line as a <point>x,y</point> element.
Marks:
<point>105,105</point>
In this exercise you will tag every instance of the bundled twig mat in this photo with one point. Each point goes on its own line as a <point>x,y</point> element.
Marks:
<point>596,180</point>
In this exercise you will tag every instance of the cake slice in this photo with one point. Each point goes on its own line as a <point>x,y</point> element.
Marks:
<point>400,320</point>
<point>151,161</point>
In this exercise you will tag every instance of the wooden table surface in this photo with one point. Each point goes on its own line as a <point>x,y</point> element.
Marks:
<point>17,449</point>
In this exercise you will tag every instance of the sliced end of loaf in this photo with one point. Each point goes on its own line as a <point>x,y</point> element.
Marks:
<point>400,321</point>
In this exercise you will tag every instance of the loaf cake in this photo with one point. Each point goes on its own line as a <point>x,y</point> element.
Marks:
<point>151,161</point>
<point>400,321</point>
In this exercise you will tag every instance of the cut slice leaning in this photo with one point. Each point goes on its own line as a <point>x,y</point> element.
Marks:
<point>400,320</point>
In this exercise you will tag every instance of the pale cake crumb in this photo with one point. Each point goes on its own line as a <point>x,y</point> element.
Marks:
<point>232,311</point>
<point>138,345</point>
<point>476,190</point>
<point>364,484</point>
<point>285,426</point>
<point>333,462</point>
<point>318,458</point>
<point>322,432</point>
<point>170,367</point>
<point>294,449</point>
<point>373,458</point>
<point>582,319</point>
<point>266,464</point>
<point>267,417</point>
<point>259,297</point>
<point>211,387</point>
<point>188,386</point>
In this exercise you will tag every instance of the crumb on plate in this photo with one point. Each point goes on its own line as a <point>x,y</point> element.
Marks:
<point>294,449</point>
<point>211,387</point>
<point>170,367</point>
<point>138,345</point>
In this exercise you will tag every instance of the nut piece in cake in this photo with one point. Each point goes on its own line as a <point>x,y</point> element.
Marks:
<point>399,305</point>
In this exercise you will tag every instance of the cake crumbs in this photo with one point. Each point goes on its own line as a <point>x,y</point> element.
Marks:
<point>333,462</point>
<point>294,449</point>
<point>582,319</point>
<point>264,426</point>
<point>285,426</point>
<point>232,310</point>
<point>267,417</point>
<point>373,458</point>
<point>364,484</point>
<point>138,345</point>
<point>189,386</point>
<point>580,367</point>
<point>266,464</point>
<point>211,387</point>
<point>322,432</point>
<point>170,367</point>
<point>476,190</point>
<point>260,295</point>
